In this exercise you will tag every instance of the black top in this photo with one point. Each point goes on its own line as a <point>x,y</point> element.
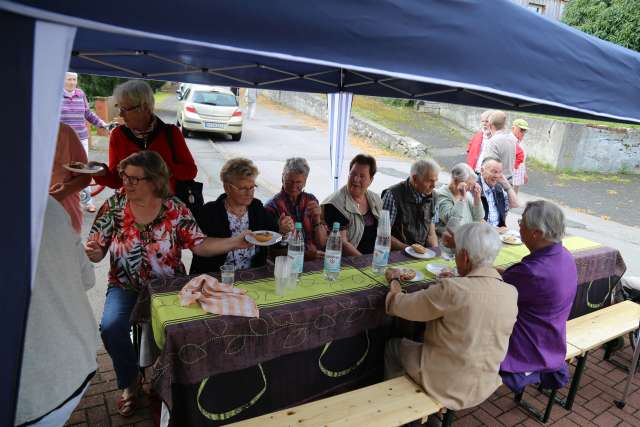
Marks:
<point>368,240</point>
<point>213,221</point>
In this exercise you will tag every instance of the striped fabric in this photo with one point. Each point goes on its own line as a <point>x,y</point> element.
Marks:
<point>75,110</point>
<point>218,298</point>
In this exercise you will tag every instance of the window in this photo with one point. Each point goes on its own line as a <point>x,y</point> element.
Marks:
<point>537,8</point>
<point>215,98</point>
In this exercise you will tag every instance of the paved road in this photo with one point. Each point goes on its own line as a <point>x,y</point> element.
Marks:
<point>276,134</point>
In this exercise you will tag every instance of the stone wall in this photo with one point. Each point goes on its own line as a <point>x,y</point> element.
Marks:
<point>563,145</point>
<point>315,105</point>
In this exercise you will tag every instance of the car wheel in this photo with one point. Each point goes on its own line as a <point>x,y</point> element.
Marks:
<point>185,132</point>
<point>236,136</point>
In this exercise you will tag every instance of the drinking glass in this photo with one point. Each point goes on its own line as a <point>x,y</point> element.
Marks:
<point>282,273</point>
<point>227,274</point>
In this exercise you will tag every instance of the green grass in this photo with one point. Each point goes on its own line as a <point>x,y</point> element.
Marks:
<point>583,121</point>
<point>160,96</point>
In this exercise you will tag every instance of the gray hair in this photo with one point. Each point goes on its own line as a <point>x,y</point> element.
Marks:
<point>136,91</point>
<point>462,172</point>
<point>481,242</point>
<point>485,115</point>
<point>70,74</point>
<point>498,119</point>
<point>490,159</point>
<point>546,217</point>
<point>296,165</point>
<point>422,167</point>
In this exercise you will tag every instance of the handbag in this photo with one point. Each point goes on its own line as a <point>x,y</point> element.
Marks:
<point>188,191</point>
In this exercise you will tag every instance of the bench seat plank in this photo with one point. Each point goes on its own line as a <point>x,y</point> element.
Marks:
<point>594,329</point>
<point>573,351</point>
<point>390,403</point>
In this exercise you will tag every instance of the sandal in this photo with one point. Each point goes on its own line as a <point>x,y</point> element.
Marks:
<point>127,405</point>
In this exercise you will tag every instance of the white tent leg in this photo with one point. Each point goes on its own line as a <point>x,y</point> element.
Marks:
<point>339,107</point>
<point>51,55</point>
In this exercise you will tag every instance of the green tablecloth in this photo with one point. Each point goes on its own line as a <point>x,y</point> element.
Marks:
<point>166,309</point>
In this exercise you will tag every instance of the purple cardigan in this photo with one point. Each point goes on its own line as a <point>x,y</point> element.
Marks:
<point>75,110</point>
<point>547,282</point>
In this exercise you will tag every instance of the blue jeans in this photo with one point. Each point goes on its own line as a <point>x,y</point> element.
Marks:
<point>115,331</point>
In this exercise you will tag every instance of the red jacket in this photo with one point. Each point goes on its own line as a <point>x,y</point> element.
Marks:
<point>473,149</point>
<point>123,143</point>
<point>519,156</point>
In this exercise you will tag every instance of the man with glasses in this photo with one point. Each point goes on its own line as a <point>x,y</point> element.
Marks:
<point>546,281</point>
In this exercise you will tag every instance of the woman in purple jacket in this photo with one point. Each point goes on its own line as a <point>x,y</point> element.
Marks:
<point>75,113</point>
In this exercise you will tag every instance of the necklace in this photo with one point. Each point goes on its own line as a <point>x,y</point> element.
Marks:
<point>235,211</point>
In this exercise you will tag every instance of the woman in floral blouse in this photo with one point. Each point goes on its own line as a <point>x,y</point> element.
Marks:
<point>144,229</point>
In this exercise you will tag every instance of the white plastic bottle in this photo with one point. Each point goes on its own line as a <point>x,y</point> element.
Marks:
<point>296,252</point>
<point>383,244</point>
<point>333,253</point>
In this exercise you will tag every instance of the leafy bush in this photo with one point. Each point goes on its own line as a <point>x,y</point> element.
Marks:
<point>399,102</point>
<point>617,21</point>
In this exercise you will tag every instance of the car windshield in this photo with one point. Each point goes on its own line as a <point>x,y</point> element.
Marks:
<point>215,98</point>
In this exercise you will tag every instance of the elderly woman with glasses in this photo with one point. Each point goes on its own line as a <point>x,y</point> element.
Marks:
<point>144,229</point>
<point>234,213</point>
<point>295,205</point>
<point>143,130</point>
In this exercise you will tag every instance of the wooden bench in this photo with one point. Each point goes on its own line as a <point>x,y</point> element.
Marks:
<point>389,403</point>
<point>584,334</point>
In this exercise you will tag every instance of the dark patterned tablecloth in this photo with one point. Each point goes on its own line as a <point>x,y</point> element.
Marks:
<point>196,350</point>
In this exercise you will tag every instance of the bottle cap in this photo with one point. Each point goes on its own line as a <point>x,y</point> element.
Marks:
<point>336,226</point>
<point>298,226</point>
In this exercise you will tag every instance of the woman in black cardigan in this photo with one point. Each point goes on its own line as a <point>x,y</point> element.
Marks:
<point>234,212</point>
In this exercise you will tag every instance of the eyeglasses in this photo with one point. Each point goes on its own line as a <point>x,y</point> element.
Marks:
<point>124,110</point>
<point>245,190</point>
<point>133,180</point>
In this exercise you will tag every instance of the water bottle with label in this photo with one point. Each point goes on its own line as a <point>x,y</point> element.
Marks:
<point>333,254</point>
<point>383,244</point>
<point>296,252</point>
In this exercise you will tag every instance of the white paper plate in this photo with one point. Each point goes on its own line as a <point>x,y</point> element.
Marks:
<point>427,255</point>
<point>87,169</point>
<point>419,276</point>
<point>510,239</point>
<point>436,269</point>
<point>275,238</point>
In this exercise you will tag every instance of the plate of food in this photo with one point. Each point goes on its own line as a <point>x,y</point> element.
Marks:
<point>410,275</point>
<point>438,269</point>
<point>510,239</point>
<point>79,167</point>
<point>419,251</point>
<point>263,237</point>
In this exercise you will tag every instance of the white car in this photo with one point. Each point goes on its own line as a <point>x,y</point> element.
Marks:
<point>211,109</point>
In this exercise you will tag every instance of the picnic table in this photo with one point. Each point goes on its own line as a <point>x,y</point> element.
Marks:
<point>320,339</point>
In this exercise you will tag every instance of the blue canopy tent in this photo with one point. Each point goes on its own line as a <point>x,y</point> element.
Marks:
<point>472,52</point>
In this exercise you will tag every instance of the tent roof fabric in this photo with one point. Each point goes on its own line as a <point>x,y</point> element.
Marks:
<point>473,52</point>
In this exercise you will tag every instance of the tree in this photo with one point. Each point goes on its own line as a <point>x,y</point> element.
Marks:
<point>617,21</point>
<point>103,86</point>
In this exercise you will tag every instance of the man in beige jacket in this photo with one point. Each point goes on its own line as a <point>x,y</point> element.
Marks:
<point>469,321</point>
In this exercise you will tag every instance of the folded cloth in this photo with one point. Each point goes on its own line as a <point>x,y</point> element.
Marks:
<point>218,298</point>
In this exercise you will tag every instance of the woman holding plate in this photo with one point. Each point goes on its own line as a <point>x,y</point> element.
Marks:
<point>144,229</point>
<point>232,214</point>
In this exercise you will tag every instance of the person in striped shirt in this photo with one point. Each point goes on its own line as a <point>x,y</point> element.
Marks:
<point>75,112</point>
